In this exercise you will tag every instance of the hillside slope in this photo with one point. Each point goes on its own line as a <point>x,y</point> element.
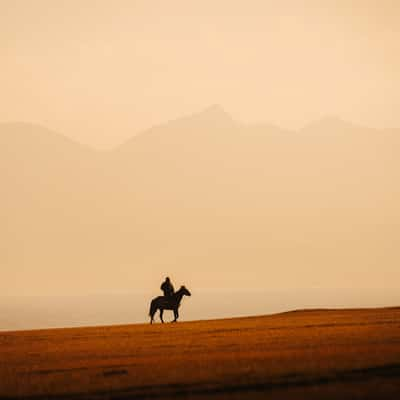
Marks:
<point>330,354</point>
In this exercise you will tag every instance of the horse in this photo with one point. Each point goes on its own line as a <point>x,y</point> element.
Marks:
<point>168,303</point>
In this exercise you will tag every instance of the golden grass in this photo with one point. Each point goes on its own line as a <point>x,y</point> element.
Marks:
<point>303,354</point>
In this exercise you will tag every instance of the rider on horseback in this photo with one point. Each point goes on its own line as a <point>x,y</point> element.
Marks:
<point>167,287</point>
<point>168,302</point>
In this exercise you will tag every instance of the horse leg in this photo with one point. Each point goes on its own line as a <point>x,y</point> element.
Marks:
<point>161,315</point>
<point>153,310</point>
<point>176,314</point>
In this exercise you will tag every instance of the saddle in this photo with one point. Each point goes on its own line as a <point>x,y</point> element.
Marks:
<point>168,299</point>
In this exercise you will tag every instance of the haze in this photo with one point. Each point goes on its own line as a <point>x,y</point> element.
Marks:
<point>248,150</point>
<point>100,71</point>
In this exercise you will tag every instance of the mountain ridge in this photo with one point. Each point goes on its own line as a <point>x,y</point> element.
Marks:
<point>209,117</point>
<point>242,203</point>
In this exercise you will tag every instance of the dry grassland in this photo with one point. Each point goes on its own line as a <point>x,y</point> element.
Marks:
<point>316,354</point>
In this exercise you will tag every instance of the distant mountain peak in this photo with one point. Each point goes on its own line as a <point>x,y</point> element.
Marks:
<point>329,122</point>
<point>36,135</point>
<point>214,113</point>
<point>214,109</point>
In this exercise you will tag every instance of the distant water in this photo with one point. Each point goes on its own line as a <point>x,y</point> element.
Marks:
<point>55,312</point>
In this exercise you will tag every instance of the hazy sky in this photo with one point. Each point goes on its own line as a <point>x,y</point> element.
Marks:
<point>101,70</point>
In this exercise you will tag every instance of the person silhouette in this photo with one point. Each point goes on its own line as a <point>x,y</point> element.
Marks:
<point>167,287</point>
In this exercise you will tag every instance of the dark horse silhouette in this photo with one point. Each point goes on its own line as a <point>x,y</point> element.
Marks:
<point>168,303</point>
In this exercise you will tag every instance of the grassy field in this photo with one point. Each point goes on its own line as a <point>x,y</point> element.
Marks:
<point>316,354</point>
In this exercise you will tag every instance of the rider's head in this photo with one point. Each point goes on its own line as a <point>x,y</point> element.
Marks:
<point>167,278</point>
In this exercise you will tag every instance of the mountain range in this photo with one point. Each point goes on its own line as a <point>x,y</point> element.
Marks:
<point>205,199</point>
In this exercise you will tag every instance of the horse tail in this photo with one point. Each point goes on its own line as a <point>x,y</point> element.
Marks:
<point>153,308</point>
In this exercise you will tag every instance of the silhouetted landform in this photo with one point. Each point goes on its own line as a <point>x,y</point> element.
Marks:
<point>319,205</point>
<point>309,354</point>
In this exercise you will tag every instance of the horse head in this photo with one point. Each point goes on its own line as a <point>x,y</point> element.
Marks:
<point>184,291</point>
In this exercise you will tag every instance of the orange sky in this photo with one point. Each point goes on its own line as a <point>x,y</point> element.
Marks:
<point>100,71</point>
